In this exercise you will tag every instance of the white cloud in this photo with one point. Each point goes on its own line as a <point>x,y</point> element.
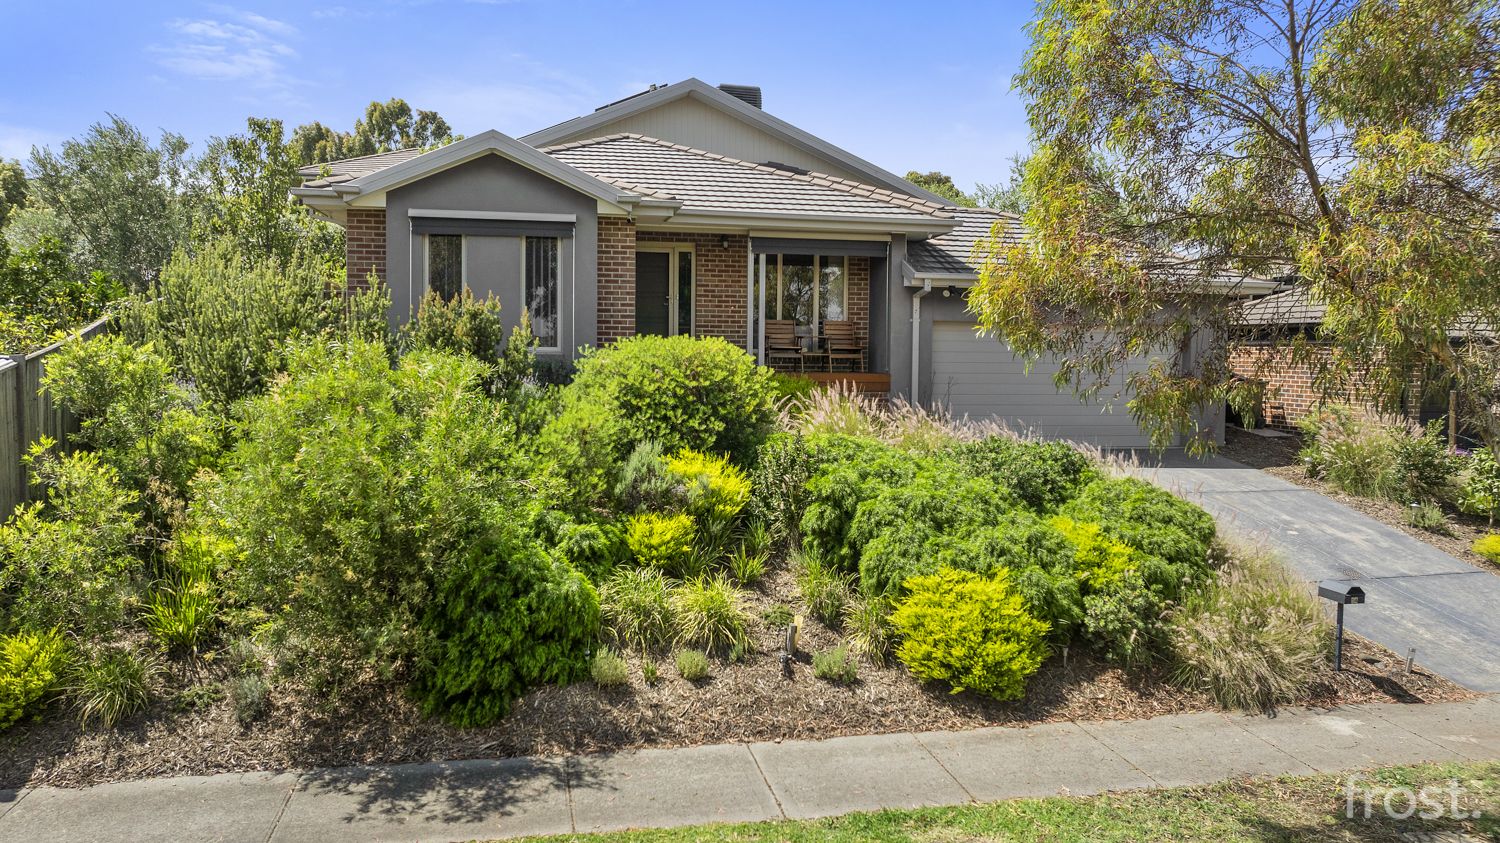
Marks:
<point>533,96</point>
<point>233,46</point>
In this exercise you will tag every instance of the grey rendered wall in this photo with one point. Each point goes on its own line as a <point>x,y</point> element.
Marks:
<point>493,183</point>
<point>897,344</point>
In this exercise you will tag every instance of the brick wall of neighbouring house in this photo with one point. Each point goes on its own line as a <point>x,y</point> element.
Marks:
<point>616,279</point>
<point>364,245</point>
<point>1290,391</point>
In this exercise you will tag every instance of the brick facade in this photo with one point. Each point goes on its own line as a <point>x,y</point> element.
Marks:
<point>364,246</point>
<point>1290,389</point>
<point>719,295</point>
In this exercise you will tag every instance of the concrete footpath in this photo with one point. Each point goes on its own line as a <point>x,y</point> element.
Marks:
<point>1418,596</point>
<point>742,782</point>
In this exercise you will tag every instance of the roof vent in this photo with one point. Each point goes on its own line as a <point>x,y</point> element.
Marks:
<point>745,93</point>
<point>653,87</point>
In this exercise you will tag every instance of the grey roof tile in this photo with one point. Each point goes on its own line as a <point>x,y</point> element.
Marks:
<point>353,168</point>
<point>953,253</point>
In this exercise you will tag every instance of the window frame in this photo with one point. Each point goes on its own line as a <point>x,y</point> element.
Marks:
<point>463,263</point>
<point>775,276</point>
<point>558,303</point>
<point>674,252</point>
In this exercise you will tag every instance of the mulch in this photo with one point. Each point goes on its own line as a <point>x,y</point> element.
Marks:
<point>748,701</point>
<point>1278,457</point>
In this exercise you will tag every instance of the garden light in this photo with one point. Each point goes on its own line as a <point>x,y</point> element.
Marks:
<point>1340,595</point>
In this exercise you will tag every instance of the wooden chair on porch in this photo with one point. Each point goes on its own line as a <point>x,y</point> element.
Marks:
<point>843,344</point>
<point>782,342</point>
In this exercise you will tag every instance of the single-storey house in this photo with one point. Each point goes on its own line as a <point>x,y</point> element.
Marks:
<point>688,209</point>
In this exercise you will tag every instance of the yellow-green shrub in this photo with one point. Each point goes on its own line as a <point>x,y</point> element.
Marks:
<point>1101,562</point>
<point>661,541</point>
<point>716,489</point>
<point>30,667</point>
<point>1489,547</point>
<point>970,631</point>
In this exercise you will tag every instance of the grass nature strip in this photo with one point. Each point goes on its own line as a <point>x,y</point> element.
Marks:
<point>1306,808</point>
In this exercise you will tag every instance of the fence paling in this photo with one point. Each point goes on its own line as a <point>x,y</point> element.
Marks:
<point>27,413</point>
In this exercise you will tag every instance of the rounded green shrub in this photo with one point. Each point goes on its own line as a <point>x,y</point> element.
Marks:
<point>970,631</point>
<point>836,665</point>
<point>1043,475</point>
<point>664,542</point>
<point>461,325</point>
<point>716,489</point>
<point>609,669</point>
<point>683,392</point>
<point>1489,547</point>
<point>900,531</point>
<point>1151,520</point>
<point>850,471</point>
<point>692,665</point>
<point>505,618</point>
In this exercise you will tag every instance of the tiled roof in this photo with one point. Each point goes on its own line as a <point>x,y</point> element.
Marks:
<point>353,168</point>
<point>703,180</point>
<point>1293,307</point>
<point>953,253</point>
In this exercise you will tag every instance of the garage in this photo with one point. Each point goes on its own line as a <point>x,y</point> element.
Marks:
<point>981,377</point>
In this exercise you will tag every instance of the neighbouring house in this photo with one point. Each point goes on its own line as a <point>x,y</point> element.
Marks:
<point>688,209</point>
<point>1261,351</point>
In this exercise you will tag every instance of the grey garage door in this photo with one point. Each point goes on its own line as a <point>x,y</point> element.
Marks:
<point>981,377</point>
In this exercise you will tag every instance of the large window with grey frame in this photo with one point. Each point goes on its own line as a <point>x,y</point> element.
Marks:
<point>808,289</point>
<point>541,277</point>
<point>445,264</point>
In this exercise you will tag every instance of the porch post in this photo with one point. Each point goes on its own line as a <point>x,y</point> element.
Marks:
<point>749,296</point>
<point>761,345</point>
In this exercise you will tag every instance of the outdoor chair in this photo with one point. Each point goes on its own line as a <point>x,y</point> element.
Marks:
<point>782,342</point>
<point>843,344</point>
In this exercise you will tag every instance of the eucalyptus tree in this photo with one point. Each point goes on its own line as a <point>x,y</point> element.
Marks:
<point>1180,144</point>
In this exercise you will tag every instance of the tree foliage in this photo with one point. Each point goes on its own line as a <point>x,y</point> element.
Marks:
<point>386,126</point>
<point>1183,144</point>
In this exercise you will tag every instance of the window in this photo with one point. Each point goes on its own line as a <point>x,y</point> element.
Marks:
<point>541,281</point>
<point>805,285</point>
<point>445,264</point>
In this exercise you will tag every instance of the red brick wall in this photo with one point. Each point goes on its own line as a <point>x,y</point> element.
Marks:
<point>719,290</point>
<point>364,245</point>
<point>616,279</point>
<point>1290,391</point>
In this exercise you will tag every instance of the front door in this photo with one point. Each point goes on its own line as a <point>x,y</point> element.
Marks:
<point>653,293</point>
<point>664,289</point>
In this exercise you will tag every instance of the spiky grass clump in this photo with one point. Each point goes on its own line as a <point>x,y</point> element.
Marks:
<point>867,628</point>
<point>111,684</point>
<point>636,606</point>
<point>747,566</point>
<point>609,669</point>
<point>825,591</point>
<point>710,613</point>
<point>1254,639</point>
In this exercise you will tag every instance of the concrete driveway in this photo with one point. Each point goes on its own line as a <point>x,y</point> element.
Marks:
<point>1418,595</point>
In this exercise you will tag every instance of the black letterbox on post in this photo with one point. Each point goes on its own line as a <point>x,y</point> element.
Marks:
<point>1342,595</point>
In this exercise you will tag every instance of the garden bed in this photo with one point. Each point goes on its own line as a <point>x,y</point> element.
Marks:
<point>748,701</point>
<point>1278,457</point>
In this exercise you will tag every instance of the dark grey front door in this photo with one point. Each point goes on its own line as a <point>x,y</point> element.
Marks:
<point>653,292</point>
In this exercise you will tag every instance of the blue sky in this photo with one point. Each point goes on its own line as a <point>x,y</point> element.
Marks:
<point>518,65</point>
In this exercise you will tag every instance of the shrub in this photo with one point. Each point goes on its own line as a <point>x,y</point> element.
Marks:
<point>791,388</point>
<point>462,325</point>
<point>835,665</point>
<point>716,490</point>
<point>353,488</point>
<point>636,606</point>
<point>1043,475</point>
<point>867,628</point>
<point>649,672</point>
<point>1152,521</point>
<point>692,665</point>
<point>664,542</point>
<point>1123,622</point>
<point>111,683</point>
<point>1489,547</point>
<point>1254,638</point>
<point>823,589</point>
<point>228,322</point>
<point>1352,449</point>
<point>608,669</point>
<point>31,665</point>
<point>710,613</point>
<point>1422,468</point>
<point>250,697</point>
<point>783,466</point>
<point>900,531</point>
<point>970,631</point>
<point>505,618</point>
<point>66,561</point>
<point>1427,516</point>
<point>704,394</point>
<point>132,412</point>
<point>777,616</point>
<point>1481,488</point>
<point>850,472</point>
<point>644,483</point>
